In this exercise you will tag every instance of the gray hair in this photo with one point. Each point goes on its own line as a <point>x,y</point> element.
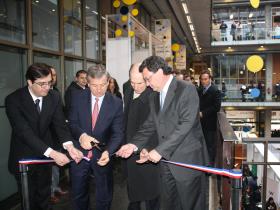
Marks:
<point>98,71</point>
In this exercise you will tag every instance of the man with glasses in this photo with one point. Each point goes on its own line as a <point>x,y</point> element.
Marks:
<point>174,117</point>
<point>95,118</point>
<point>32,111</point>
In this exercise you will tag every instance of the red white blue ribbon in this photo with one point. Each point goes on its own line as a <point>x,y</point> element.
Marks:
<point>218,171</point>
<point>41,161</point>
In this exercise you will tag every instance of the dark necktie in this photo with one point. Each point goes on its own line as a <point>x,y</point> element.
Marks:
<point>204,90</point>
<point>37,104</point>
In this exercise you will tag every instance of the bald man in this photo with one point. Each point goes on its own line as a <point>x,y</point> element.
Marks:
<point>142,179</point>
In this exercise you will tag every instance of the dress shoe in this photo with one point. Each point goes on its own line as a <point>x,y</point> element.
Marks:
<point>62,192</point>
<point>54,199</point>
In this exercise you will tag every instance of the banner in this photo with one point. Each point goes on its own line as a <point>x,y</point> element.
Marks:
<point>163,32</point>
<point>180,58</point>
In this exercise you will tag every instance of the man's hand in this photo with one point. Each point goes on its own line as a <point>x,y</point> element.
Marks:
<point>144,156</point>
<point>75,154</point>
<point>200,114</point>
<point>104,159</point>
<point>126,150</point>
<point>59,158</point>
<point>154,156</point>
<point>85,141</point>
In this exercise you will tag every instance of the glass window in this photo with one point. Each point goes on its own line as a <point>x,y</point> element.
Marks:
<point>89,64</point>
<point>12,21</point>
<point>72,27</point>
<point>52,61</point>
<point>71,67</point>
<point>92,29</point>
<point>45,24</point>
<point>13,62</point>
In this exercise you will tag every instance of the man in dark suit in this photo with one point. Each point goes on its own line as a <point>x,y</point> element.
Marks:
<point>95,116</point>
<point>174,117</point>
<point>142,180</point>
<point>80,83</point>
<point>32,110</point>
<point>210,104</point>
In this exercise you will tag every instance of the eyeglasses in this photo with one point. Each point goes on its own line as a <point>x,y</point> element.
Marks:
<point>43,84</point>
<point>149,78</point>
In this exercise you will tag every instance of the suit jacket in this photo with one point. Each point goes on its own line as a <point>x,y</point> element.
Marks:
<point>31,134</point>
<point>109,125</point>
<point>178,127</point>
<point>210,104</point>
<point>142,179</point>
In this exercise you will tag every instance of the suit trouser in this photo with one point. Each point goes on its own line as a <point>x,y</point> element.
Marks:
<point>149,204</point>
<point>210,139</point>
<point>80,174</point>
<point>188,194</point>
<point>39,186</point>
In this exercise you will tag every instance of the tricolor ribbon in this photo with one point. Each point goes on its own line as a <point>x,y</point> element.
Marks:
<point>41,161</point>
<point>218,171</point>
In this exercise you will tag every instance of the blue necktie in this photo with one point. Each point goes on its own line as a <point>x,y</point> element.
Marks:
<point>37,104</point>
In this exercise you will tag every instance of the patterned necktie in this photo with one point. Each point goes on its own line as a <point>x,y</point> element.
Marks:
<point>94,116</point>
<point>37,104</point>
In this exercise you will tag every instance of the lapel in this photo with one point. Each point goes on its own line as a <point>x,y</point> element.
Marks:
<point>157,104</point>
<point>28,103</point>
<point>170,95</point>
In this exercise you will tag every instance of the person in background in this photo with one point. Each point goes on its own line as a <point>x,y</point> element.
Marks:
<point>233,31</point>
<point>114,87</point>
<point>142,180</point>
<point>210,104</point>
<point>32,111</point>
<point>80,83</point>
<point>223,28</point>
<point>179,76</point>
<point>187,78</point>
<point>239,31</point>
<point>270,204</point>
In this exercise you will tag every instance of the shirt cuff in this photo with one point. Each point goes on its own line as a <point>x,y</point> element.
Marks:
<point>47,152</point>
<point>67,143</point>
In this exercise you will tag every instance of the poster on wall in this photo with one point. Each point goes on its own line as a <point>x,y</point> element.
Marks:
<point>163,32</point>
<point>180,58</point>
<point>275,13</point>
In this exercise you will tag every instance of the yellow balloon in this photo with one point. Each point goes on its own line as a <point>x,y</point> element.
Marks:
<point>124,18</point>
<point>255,3</point>
<point>116,4</point>
<point>129,2</point>
<point>135,12</point>
<point>131,33</point>
<point>254,63</point>
<point>118,32</point>
<point>175,47</point>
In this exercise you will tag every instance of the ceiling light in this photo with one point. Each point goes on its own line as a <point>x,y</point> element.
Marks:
<point>185,8</point>
<point>94,12</point>
<point>229,48</point>
<point>191,27</point>
<point>53,10</point>
<point>250,15</point>
<point>231,16</point>
<point>87,7</point>
<point>37,1</point>
<point>264,69</point>
<point>189,19</point>
<point>261,46</point>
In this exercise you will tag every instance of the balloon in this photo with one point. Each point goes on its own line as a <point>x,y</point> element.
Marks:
<point>118,32</point>
<point>255,92</point>
<point>135,12</point>
<point>129,2</point>
<point>175,47</point>
<point>124,18</point>
<point>124,10</point>
<point>255,3</point>
<point>116,4</point>
<point>131,33</point>
<point>254,63</point>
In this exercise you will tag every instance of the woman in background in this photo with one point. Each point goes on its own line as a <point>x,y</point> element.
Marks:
<point>114,88</point>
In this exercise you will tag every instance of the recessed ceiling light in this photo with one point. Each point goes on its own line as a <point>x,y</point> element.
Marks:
<point>37,1</point>
<point>231,16</point>
<point>53,10</point>
<point>250,15</point>
<point>261,46</point>
<point>229,47</point>
<point>185,8</point>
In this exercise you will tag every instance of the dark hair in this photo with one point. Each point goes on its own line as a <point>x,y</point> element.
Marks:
<point>205,72</point>
<point>36,71</point>
<point>154,63</point>
<point>117,88</point>
<point>80,72</point>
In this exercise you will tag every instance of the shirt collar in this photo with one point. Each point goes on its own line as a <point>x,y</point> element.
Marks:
<point>167,84</point>
<point>207,87</point>
<point>100,98</point>
<point>33,96</point>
